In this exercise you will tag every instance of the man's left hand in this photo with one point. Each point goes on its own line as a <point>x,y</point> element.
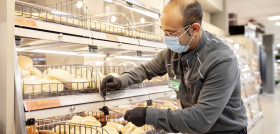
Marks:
<point>137,116</point>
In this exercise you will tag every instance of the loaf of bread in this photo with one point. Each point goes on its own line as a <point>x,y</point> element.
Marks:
<point>117,126</point>
<point>138,131</point>
<point>77,84</point>
<point>46,132</point>
<point>24,72</point>
<point>89,118</point>
<point>25,62</point>
<point>59,74</point>
<point>110,130</point>
<point>31,84</point>
<point>89,121</point>
<point>129,127</point>
<point>34,71</point>
<point>84,130</point>
<point>51,85</point>
<point>97,78</point>
<point>59,129</point>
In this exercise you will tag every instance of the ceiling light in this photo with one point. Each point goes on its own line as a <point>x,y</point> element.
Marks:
<point>79,4</point>
<point>61,52</point>
<point>277,45</point>
<point>149,14</point>
<point>110,1</point>
<point>277,23</point>
<point>274,18</point>
<point>113,19</point>
<point>142,20</point>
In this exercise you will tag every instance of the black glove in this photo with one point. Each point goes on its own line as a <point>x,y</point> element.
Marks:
<point>137,116</point>
<point>111,83</point>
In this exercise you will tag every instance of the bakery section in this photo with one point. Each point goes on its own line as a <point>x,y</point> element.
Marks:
<point>64,50</point>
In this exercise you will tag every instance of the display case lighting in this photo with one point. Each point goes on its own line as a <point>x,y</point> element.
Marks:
<point>60,52</point>
<point>58,12</point>
<point>79,4</point>
<point>149,14</point>
<point>277,45</point>
<point>272,18</point>
<point>133,58</point>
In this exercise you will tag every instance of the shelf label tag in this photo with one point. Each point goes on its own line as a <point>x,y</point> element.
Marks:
<point>111,37</point>
<point>41,104</point>
<point>25,22</point>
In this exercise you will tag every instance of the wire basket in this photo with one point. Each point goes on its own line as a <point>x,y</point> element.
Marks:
<point>62,125</point>
<point>83,80</point>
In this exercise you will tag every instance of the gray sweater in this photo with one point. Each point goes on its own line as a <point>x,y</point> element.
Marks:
<point>209,93</point>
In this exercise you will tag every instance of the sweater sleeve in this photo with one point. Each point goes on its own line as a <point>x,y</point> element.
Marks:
<point>153,68</point>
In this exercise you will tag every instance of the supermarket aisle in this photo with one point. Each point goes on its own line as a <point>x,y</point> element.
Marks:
<point>270,123</point>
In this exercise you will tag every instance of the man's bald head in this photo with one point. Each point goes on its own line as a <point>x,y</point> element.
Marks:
<point>190,10</point>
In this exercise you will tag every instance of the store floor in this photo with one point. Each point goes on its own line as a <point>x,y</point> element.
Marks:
<point>270,123</point>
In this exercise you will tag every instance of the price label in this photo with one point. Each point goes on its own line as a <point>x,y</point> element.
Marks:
<point>25,22</point>
<point>42,104</point>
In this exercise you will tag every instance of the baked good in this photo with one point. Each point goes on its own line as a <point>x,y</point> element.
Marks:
<point>51,85</point>
<point>31,84</point>
<point>46,132</point>
<point>90,118</point>
<point>117,126</point>
<point>25,62</point>
<point>34,71</point>
<point>97,79</point>
<point>91,122</point>
<point>85,130</point>
<point>138,131</point>
<point>76,117</point>
<point>60,75</point>
<point>129,127</point>
<point>98,114</point>
<point>59,129</point>
<point>110,130</point>
<point>24,72</point>
<point>77,84</point>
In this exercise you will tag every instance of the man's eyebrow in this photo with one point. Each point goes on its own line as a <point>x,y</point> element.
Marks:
<point>168,30</point>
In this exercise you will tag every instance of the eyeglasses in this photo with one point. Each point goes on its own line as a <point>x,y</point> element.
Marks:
<point>172,34</point>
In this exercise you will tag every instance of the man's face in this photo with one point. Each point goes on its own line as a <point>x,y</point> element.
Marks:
<point>172,21</point>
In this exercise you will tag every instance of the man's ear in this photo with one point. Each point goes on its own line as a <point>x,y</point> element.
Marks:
<point>195,29</point>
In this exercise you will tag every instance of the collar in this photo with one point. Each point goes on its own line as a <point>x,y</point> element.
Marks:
<point>193,53</point>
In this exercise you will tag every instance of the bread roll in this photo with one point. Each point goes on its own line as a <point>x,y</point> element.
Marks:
<point>77,84</point>
<point>91,122</point>
<point>90,118</point>
<point>34,71</point>
<point>24,72</point>
<point>97,78</point>
<point>138,131</point>
<point>128,128</point>
<point>59,129</point>
<point>60,75</point>
<point>25,62</point>
<point>76,117</point>
<point>50,85</point>
<point>84,130</point>
<point>117,126</point>
<point>114,74</point>
<point>31,84</point>
<point>46,132</point>
<point>110,130</point>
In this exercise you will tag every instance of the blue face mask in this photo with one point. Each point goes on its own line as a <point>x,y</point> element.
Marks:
<point>173,43</point>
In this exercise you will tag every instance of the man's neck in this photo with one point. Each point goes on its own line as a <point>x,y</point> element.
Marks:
<point>196,41</point>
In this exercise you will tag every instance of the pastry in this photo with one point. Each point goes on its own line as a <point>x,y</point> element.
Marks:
<point>25,62</point>
<point>128,128</point>
<point>77,84</point>
<point>60,75</point>
<point>60,129</point>
<point>24,72</point>
<point>110,130</point>
<point>46,132</point>
<point>138,131</point>
<point>34,71</point>
<point>117,126</point>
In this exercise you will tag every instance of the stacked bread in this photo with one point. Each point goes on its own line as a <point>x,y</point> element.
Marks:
<point>33,81</point>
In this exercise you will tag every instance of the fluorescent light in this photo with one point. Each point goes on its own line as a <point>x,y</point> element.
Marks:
<point>58,12</point>
<point>79,4</point>
<point>133,58</point>
<point>142,20</point>
<point>277,23</point>
<point>274,18</point>
<point>277,45</point>
<point>113,19</point>
<point>149,14</point>
<point>61,52</point>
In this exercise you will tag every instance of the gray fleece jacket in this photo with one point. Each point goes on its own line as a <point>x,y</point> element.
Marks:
<point>209,93</point>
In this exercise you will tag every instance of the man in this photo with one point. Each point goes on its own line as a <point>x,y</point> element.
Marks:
<point>205,69</point>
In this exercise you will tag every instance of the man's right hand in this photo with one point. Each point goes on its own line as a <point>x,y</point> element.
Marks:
<point>110,83</point>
